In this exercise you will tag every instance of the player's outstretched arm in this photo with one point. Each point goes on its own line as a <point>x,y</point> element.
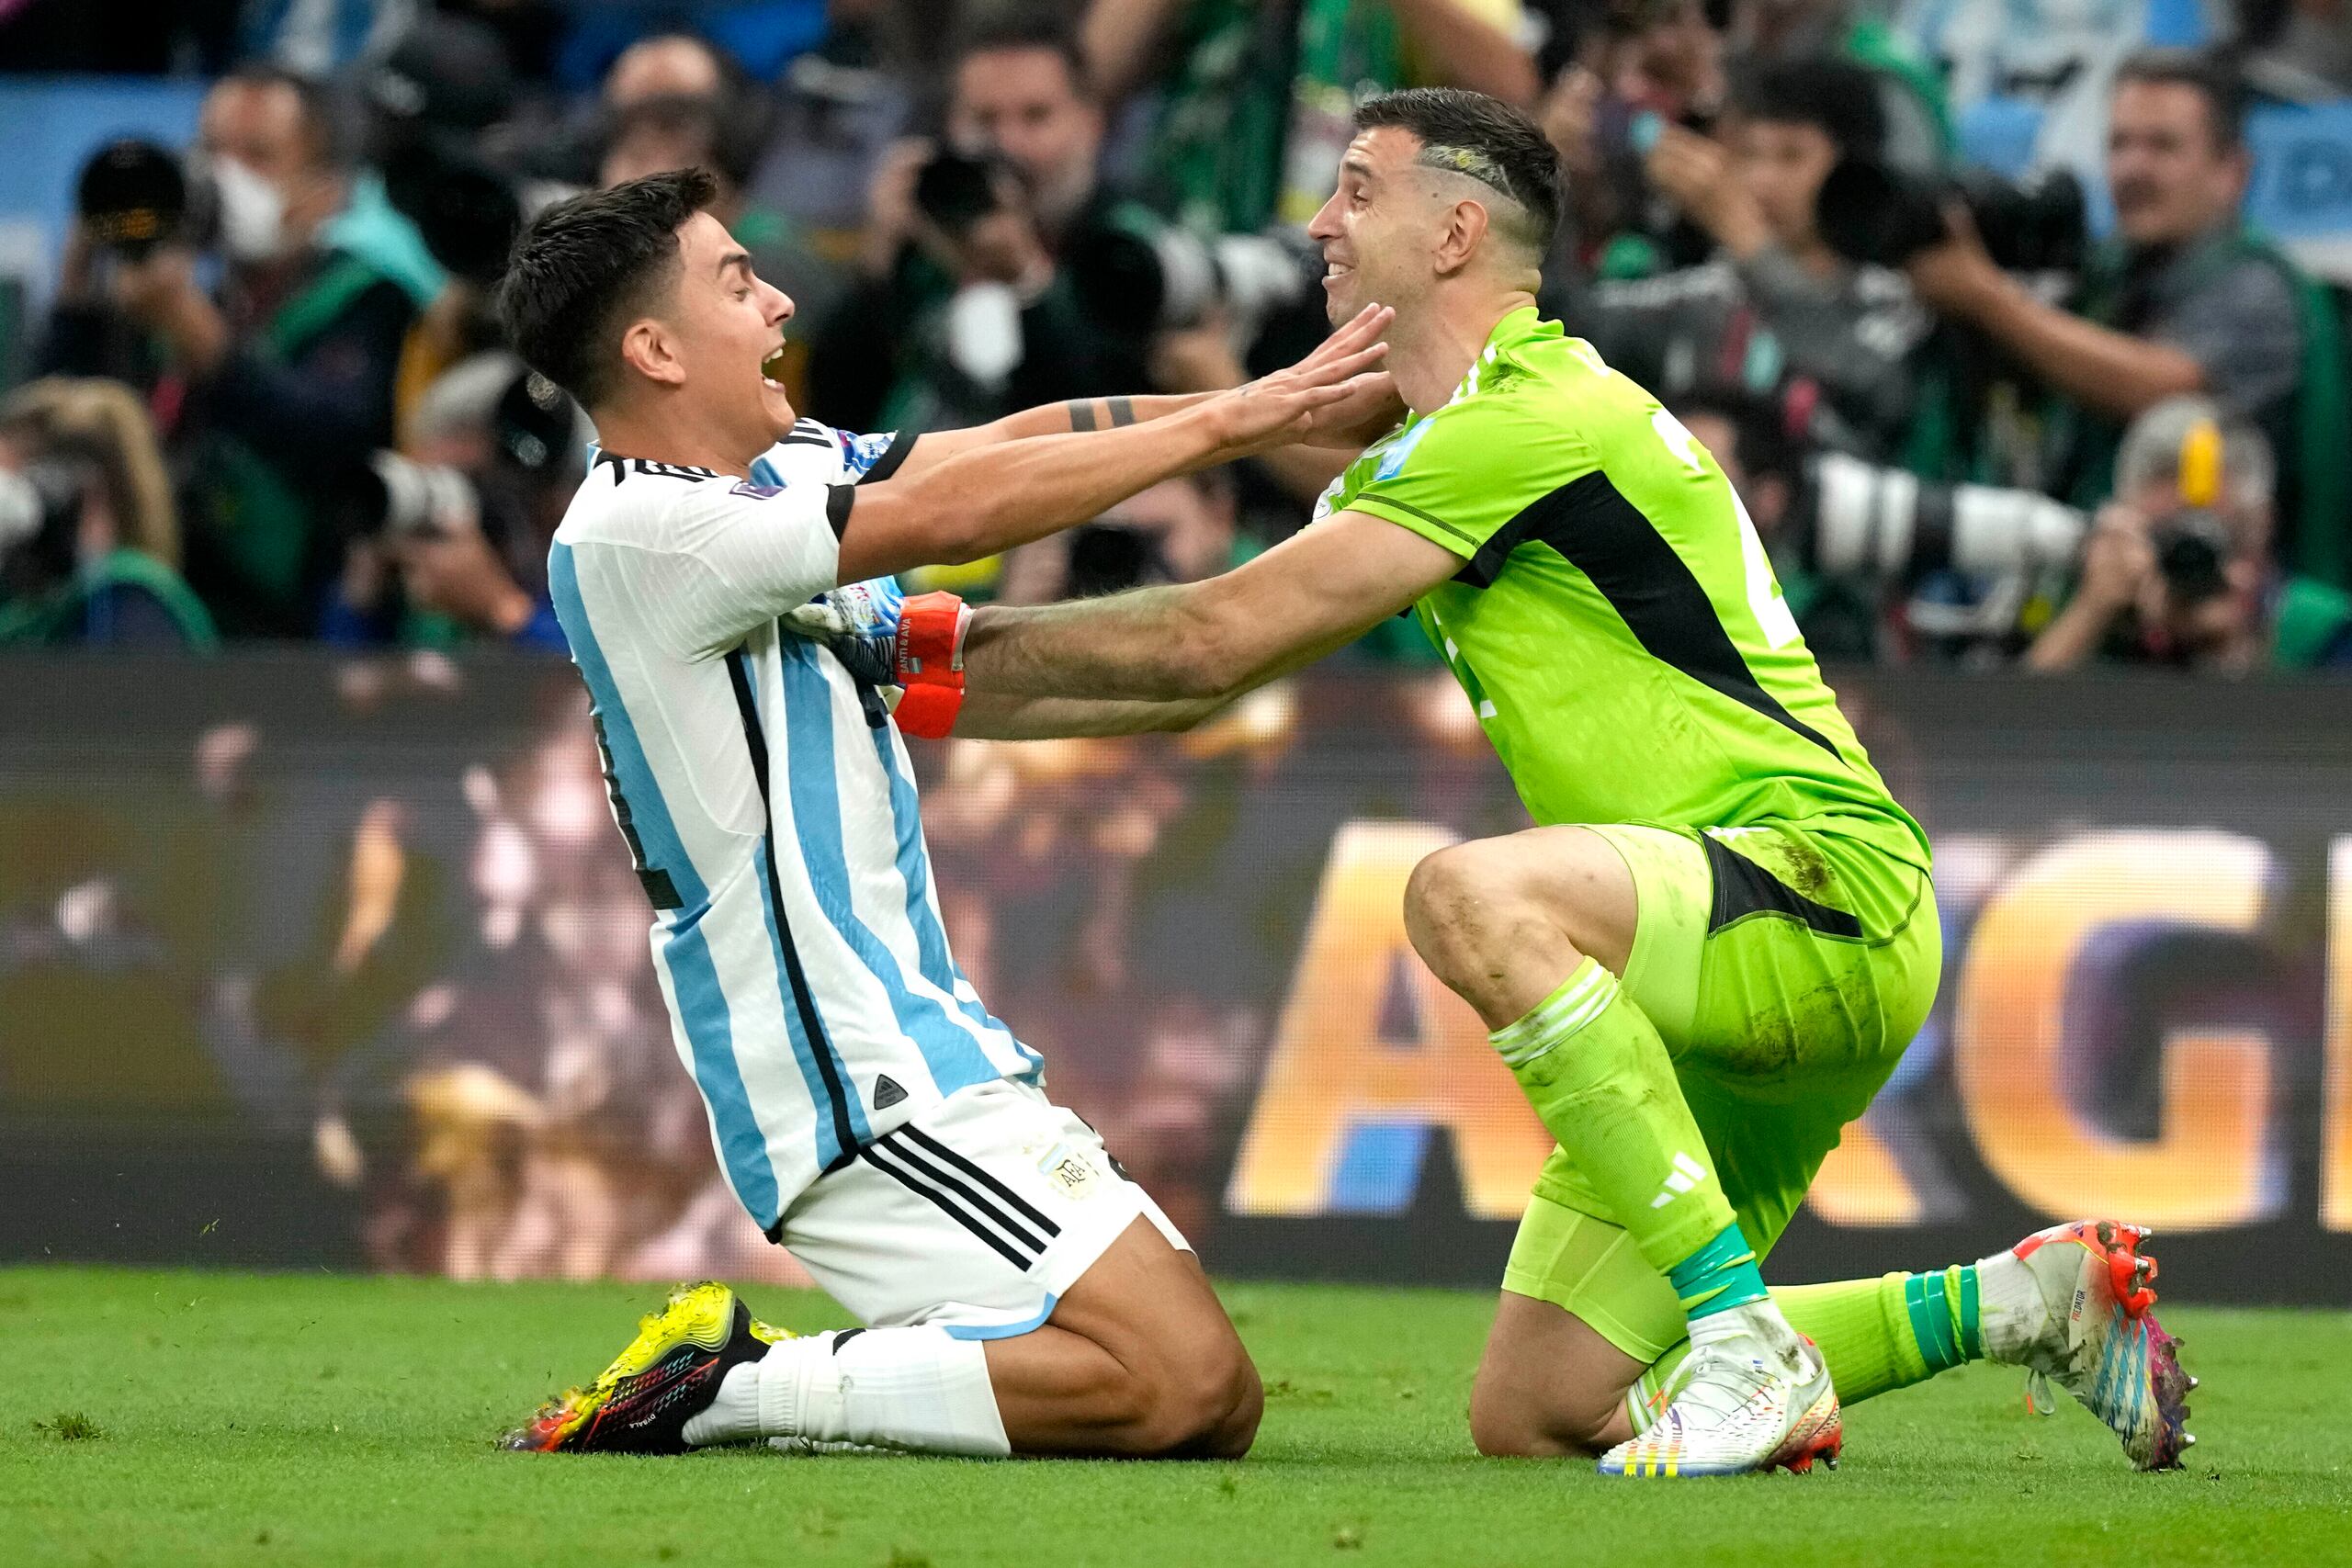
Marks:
<point>1208,642</point>
<point>987,715</point>
<point>994,497</point>
<point>1350,424</point>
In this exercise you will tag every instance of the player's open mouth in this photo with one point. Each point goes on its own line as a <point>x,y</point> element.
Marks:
<point>772,368</point>
<point>1334,271</point>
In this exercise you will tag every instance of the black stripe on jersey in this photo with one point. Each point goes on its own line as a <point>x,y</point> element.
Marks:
<point>623,466</point>
<point>932,1145</point>
<point>901,443</point>
<point>1745,888</point>
<point>905,1154</point>
<point>940,1201</point>
<point>804,438</point>
<point>839,498</point>
<point>1602,535</point>
<point>738,673</point>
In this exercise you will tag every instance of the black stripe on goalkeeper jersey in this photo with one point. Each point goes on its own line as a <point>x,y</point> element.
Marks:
<point>1602,535</point>
<point>739,674</point>
<point>1745,888</point>
<point>1023,1252</point>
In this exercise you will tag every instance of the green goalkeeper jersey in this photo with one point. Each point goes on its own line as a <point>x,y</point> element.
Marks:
<point>1615,621</point>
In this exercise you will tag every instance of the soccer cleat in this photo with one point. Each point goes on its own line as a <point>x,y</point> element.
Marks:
<point>2098,1337</point>
<point>669,1374</point>
<point>1729,1411</point>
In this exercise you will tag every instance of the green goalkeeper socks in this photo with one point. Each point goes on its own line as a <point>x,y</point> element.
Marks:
<point>1888,1333</point>
<point>1592,1064</point>
<point>1876,1335</point>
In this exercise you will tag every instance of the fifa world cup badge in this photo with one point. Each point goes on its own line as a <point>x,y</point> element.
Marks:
<point>1071,1171</point>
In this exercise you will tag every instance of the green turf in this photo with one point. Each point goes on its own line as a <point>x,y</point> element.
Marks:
<point>309,1419</point>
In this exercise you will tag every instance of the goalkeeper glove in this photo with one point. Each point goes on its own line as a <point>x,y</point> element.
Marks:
<point>887,639</point>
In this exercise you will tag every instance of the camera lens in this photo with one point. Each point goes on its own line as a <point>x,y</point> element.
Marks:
<point>133,196</point>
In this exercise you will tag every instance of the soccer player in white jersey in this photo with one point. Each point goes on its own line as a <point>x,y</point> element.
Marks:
<point>1020,1293</point>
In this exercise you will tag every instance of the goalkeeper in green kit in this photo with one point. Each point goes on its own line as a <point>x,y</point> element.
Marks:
<point>1711,951</point>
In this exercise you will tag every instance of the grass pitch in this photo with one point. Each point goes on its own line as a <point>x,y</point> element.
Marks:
<point>201,1419</point>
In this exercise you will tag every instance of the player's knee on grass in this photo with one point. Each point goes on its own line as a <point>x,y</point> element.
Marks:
<point>1517,1420</point>
<point>1170,1377</point>
<point>1200,1400</point>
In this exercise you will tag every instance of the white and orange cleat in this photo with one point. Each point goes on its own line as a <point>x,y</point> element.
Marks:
<point>1735,1407</point>
<point>2073,1305</point>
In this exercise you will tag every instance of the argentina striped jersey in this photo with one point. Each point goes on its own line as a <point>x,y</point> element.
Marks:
<point>766,800</point>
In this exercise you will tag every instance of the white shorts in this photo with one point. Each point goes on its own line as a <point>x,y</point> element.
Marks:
<point>976,1215</point>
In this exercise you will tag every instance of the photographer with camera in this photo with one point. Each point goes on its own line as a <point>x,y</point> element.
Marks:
<point>965,310</point>
<point>460,519</point>
<point>1777,313</point>
<point>89,539</point>
<point>2177,568</point>
<point>2181,302</point>
<point>272,393</point>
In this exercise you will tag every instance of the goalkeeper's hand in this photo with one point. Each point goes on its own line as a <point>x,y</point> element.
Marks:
<point>889,640</point>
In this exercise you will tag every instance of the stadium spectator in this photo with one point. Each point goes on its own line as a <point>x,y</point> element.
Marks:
<point>1252,100</point>
<point>1643,58</point>
<point>2182,301</point>
<point>966,310</point>
<point>1764,33</point>
<point>1776,313</point>
<point>2177,568</point>
<point>89,539</point>
<point>274,393</point>
<point>667,65</point>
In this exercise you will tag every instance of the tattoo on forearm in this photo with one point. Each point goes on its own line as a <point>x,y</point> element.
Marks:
<point>1123,412</point>
<point>1081,414</point>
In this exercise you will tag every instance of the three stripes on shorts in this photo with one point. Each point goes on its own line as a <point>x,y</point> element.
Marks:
<point>964,1192</point>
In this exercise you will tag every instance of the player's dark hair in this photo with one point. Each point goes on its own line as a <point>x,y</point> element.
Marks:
<point>1026,27</point>
<point>1485,139</point>
<point>1835,97</point>
<point>2209,75</point>
<point>586,267</point>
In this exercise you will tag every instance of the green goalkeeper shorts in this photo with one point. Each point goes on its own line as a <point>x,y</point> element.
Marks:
<point>1786,966</point>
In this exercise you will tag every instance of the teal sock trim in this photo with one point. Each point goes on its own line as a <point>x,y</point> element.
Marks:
<point>1931,1324</point>
<point>1719,1276</point>
<point>1972,1337</point>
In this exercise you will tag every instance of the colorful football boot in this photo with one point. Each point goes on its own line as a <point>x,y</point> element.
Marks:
<point>669,1374</point>
<point>2097,1336</point>
<point>1736,1408</point>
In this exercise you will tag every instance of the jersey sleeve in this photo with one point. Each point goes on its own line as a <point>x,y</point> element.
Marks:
<point>728,556</point>
<point>1461,475</point>
<point>873,458</point>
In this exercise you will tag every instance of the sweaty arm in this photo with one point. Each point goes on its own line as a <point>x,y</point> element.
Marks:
<point>1210,641</point>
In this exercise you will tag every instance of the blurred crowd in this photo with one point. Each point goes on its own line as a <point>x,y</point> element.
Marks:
<point>2079,415</point>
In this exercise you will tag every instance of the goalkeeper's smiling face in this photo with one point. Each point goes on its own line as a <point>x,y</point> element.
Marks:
<point>1382,230</point>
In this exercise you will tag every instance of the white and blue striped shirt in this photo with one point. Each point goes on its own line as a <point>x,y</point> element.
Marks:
<point>767,801</point>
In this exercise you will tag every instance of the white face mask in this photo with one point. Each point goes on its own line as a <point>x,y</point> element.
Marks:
<point>252,212</point>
